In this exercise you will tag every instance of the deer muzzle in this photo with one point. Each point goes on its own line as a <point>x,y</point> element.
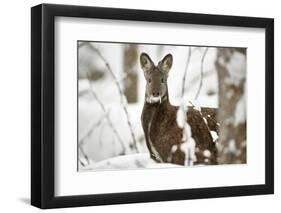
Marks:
<point>152,99</point>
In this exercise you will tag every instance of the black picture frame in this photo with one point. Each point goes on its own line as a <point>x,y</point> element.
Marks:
<point>43,105</point>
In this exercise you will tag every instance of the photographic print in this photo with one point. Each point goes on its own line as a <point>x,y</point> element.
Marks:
<point>160,106</point>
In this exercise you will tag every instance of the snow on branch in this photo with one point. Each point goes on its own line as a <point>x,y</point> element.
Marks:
<point>188,143</point>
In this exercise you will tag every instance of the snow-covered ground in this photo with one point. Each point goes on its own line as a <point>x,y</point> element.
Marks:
<point>131,161</point>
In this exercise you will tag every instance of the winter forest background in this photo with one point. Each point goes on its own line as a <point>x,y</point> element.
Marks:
<point>111,90</point>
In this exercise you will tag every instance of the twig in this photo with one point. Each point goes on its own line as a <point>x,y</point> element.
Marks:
<point>201,71</point>
<point>92,127</point>
<point>83,137</point>
<point>84,155</point>
<point>185,72</point>
<point>122,96</point>
<point>100,134</point>
<point>194,80</point>
<point>107,117</point>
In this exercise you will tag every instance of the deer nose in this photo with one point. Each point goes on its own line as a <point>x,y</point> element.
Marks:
<point>155,94</point>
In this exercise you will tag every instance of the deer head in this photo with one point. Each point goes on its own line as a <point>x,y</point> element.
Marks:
<point>156,77</point>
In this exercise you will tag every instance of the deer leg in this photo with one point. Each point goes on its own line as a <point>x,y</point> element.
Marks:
<point>152,155</point>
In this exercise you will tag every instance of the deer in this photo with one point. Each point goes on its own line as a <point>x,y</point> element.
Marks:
<point>163,135</point>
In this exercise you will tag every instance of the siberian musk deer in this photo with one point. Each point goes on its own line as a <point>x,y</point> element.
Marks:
<point>162,134</point>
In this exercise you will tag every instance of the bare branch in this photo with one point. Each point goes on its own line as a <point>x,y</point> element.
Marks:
<point>202,73</point>
<point>100,135</point>
<point>107,117</point>
<point>185,72</point>
<point>196,78</point>
<point>84,156</point>
<point>91,128</point>
<point>122,97</point>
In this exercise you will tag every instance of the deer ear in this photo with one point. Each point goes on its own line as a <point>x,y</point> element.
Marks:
<point>146,62</point>
<point>166,63</point>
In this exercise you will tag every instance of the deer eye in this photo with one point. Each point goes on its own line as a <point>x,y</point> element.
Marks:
<point>149,80</point>
<point>162,80</point>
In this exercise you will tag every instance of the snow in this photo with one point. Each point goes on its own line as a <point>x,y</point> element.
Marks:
<point>181,115</point>
<point>132,161</point>
<point>206,153</point>
<point>101,143</point>
<point>196,105</point>
<point>205,121</point>
<point>232,146</point>
<point>188,147</point>
<point>174,148</point>
<point>236,68</point>
<point>240,111</point>
<point>214,136</point>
